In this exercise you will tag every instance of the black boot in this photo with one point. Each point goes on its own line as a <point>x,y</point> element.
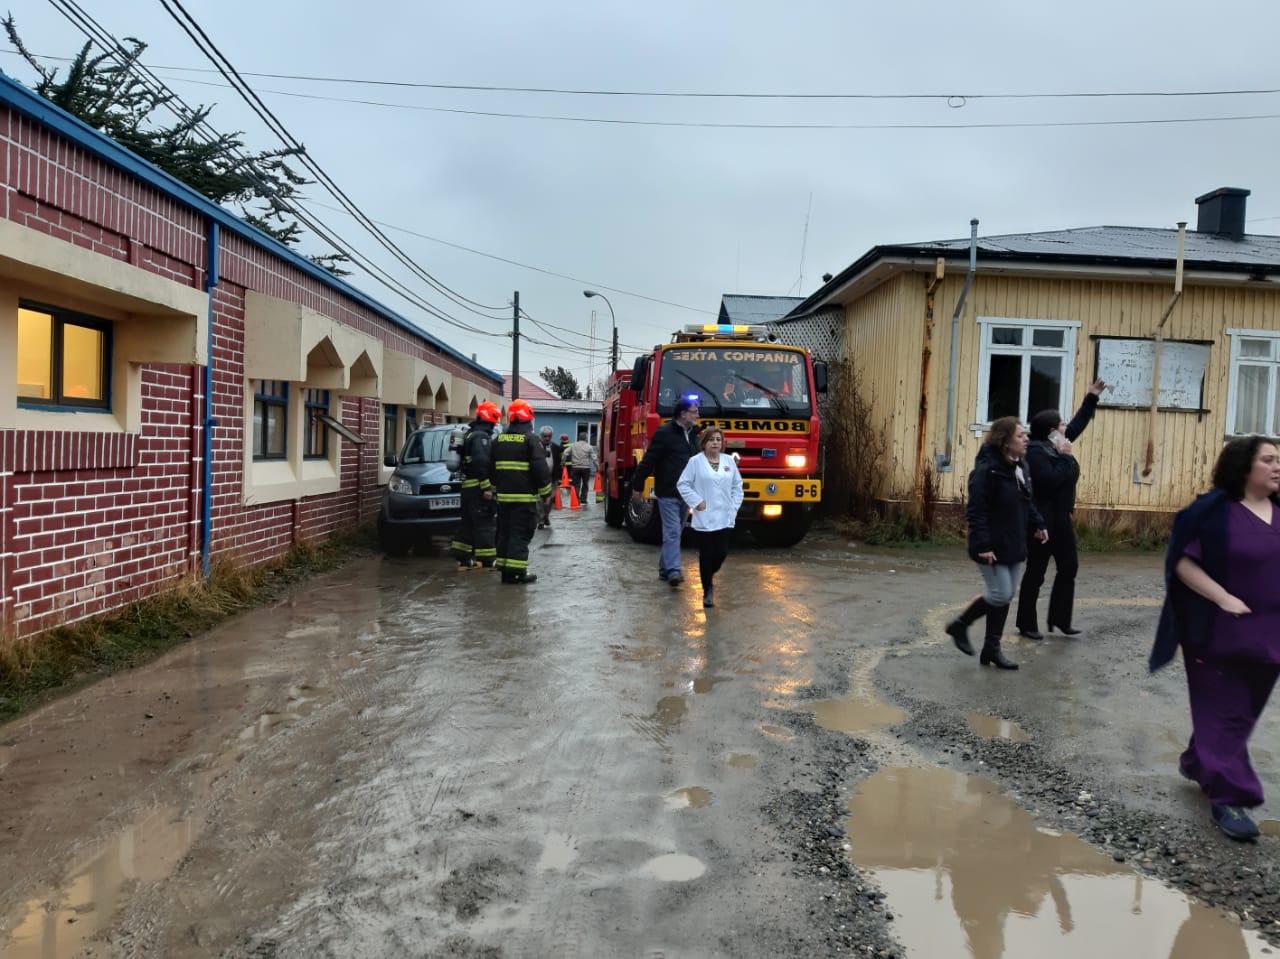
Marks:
<point>958,628</point>
<point>996,617</point>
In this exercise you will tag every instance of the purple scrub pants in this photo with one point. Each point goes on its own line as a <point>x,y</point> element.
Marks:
<point>1227,697</point>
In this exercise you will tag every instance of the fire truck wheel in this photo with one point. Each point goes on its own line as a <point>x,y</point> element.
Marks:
<point>615,509</point>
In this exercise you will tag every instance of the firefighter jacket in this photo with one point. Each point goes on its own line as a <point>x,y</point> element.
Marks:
<point>477,458</point>
<point>520,472</point>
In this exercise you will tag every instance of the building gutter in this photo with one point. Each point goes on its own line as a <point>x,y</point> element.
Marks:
<point>944,461</point>
<point>206,492</point>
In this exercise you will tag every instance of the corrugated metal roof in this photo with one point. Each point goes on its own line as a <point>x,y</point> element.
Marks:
<point>744,308</point>
<point>1126,243</point>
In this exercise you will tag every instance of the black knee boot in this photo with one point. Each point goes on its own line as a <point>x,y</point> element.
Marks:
<point>958,628</point>
<point>996,617</point>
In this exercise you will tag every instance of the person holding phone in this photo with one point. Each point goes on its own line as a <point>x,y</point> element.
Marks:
<point>1054,474</point>
<point>1001,512</point>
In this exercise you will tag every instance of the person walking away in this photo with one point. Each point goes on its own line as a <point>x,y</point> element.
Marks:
<point>711,486</point>
<point>552,452</point>
<point>999,514</point>
<point>582,460</point>
<point>1054,473</point>
<point>669,450</point>
<point>1223,609</point>
<point>474,543</point>
<point>522,480</point>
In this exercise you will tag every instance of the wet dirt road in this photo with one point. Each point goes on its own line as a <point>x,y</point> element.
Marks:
<point>596,766</point>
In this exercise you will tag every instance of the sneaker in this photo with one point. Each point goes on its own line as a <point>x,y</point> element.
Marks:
<point>1234,822</point>
<point>675,579</point>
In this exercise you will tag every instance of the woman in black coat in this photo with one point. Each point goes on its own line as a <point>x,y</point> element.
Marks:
<point>1000,514</point>
<point>1054,472</point>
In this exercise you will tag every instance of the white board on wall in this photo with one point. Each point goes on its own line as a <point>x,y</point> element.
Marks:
<point>1127,367</point>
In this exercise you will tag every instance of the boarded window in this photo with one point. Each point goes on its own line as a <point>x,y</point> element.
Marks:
<point>1128,366</point>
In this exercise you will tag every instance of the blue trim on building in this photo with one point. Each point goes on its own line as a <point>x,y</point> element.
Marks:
<point>34,106</point>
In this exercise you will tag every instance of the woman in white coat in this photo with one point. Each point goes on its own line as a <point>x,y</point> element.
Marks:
<point>712,487</point>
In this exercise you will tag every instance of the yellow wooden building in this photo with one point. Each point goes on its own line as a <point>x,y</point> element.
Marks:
<point>946,336</point>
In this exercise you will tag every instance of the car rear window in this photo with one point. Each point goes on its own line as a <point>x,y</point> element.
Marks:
<point>428,446</point>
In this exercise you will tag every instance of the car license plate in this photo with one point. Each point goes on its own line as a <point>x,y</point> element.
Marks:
<point>444,502</point>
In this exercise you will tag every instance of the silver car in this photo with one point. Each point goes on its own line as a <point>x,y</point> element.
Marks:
<point>423,497</point>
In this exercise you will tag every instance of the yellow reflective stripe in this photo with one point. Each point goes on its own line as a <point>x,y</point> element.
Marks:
<point>487,553</point>
<point>545,491</point>
<point>521,465</point>
<point>517,497</point>
<point>470,483</point>
<point>517,564</point>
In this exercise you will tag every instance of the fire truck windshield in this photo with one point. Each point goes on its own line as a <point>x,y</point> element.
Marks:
<point>735,379</point>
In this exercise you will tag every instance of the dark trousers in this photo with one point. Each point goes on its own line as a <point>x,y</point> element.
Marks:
<point>516,523</point>
<point>1227,697</point>
<point>1062,548</point>
<point>475,539</point>
<point>581,480</point>
<point>713,547</point>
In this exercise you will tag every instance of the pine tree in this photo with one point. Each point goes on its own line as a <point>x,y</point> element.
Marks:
<point>563,383</point>
<point>107,92</point>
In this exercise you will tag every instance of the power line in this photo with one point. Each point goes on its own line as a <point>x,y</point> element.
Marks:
<point>96,33</point>
<point>229,73</point>
<point>950,98</point>
<point>726,125</point>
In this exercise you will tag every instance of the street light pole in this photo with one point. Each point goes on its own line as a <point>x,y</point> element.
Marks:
<point>613,353</point>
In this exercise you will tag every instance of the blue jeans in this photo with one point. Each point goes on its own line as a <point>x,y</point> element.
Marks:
<point>1000,582</point>
<point>672,509</point>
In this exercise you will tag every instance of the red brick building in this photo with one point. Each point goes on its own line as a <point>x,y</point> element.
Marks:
<point>126,299</point>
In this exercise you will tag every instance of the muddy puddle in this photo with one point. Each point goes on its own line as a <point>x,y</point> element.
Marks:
<point>970,875</point>
<point>993,727</point>
<point>145,851</point>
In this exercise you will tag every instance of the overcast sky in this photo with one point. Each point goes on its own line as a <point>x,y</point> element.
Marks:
<point>667,215</point>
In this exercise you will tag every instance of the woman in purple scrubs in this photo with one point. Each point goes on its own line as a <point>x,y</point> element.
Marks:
<point>1222,607</point>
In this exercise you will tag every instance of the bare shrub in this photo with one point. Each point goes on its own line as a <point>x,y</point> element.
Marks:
<point>856,446</point>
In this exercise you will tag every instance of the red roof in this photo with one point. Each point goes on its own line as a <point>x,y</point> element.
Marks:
<point>529,390</point>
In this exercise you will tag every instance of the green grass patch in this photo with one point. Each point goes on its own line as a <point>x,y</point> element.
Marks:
<point>36,669</point>
<point>897,531</point>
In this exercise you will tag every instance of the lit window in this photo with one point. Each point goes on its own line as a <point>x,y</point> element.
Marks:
<point>62,358</point>
<point>317,437</point>
<point>270,419</point>
<point>1025,366</point>
<point>1253,394</point>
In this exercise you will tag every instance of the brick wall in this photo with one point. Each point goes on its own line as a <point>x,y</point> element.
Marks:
<point>92,522</point>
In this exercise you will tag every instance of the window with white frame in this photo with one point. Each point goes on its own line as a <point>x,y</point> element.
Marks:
<point>1253,395</point>
<point>1024,366</point>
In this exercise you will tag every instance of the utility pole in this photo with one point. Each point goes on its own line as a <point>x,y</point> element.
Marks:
<point>613,369</point>
<point>515,348</point>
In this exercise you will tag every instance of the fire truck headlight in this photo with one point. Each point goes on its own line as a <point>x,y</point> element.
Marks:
<point>797,461</point>
<point>771,510</point>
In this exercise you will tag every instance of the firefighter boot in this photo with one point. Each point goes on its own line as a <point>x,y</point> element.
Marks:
<point>991,653</point>
<point>958,628</point>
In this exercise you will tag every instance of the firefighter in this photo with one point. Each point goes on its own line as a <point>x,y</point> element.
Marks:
<point>473,544</point>
<point>522,480</point>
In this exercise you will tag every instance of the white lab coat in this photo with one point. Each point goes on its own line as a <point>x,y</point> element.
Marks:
<point>720,489</point>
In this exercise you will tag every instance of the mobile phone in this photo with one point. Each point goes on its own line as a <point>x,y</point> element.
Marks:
<point>1055,438</point>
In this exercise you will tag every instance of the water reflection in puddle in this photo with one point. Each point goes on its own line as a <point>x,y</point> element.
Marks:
<point>857,714</point>
<point>972,877</point>
<point>993,727</point>
<point>58,924</point>
<point>743,761</point>
<point>691,797</point>
<point>673,868</point>
<point>1270,827</point>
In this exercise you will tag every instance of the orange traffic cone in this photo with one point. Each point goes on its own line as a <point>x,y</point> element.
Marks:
<point>555,498</point>
<point>573,498</point>
<point>564,478</point>
<point>599,489</point>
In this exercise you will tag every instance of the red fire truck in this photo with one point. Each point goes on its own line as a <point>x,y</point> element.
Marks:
<point>762,394</point>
